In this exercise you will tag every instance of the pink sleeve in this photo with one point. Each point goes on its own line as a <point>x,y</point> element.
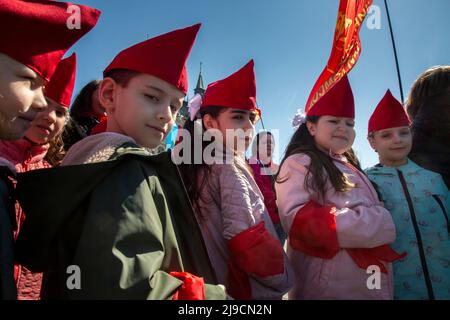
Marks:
<point>358,226</point>
<point>291,194</point>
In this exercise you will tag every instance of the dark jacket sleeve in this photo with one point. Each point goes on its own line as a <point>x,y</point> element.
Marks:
<point>128,245</point>
<point>7,285</point>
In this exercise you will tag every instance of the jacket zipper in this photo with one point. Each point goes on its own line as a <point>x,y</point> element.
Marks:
<point>444,212</point>
<point>418,237</point>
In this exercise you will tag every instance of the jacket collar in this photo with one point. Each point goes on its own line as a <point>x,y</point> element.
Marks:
<point>23,150</point>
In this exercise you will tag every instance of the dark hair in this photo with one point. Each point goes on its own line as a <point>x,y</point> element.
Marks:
<point>431,84</point>
<point>316,177</point>
<point>190,172</point>
<point>255,147</point>
<point>121,76</point>
<point>82,104</point>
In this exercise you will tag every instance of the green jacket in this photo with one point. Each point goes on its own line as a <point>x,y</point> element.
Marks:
<point>126,223</point>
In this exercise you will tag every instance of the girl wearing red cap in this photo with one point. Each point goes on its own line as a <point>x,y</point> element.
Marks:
<point>239,235</point>
<point>34,39</point>
<point>37,150</point>
<point>419,202</point>
<point>338,229</point>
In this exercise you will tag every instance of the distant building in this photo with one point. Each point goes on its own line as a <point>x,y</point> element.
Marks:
<point>183,114</point>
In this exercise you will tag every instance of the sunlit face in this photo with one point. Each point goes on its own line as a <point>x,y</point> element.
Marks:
<point>393,145</point>
<point>47,124</point>
<point>238,124</point>
<point>144,110</point>
<point>333,134</point>
<point>21,97</point>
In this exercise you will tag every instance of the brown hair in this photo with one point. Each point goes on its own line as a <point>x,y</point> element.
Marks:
<point>191,171</point>
<point>82,104</point>
<point>316,177</point>
<point>429,85</point>
<point>121,76</point>
<point>56,152</point>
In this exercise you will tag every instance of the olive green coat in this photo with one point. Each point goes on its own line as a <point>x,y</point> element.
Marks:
<point>126,223</point>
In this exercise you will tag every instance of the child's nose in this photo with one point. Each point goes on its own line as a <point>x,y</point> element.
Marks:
<point>50,116</point>
<point>165,113</point>
<point>342,127</point>
<point>248,125</point>
<point>397,138</point>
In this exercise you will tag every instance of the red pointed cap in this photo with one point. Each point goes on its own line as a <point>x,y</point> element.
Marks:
<point>36,32</point>
<point>389,113</point>
<point>164,56</point>
<point>237,91</point>
<point>338,102</point>
<point>60,87</point>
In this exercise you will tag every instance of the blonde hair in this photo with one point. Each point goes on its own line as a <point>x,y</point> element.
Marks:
<point>430,84</point>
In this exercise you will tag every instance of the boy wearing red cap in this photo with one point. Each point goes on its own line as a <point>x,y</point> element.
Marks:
<point>125,224</point>
<point>35,37</point>
<point>339,232</point>
<point>419,202</point>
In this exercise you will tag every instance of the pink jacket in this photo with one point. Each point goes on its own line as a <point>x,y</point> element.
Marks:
<point>263,177</point>
<point>360,222</point>
<point>232,207</point>
<point>25,156</point>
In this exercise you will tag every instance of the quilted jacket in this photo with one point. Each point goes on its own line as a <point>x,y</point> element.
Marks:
<point>360,222</point>
<point>230,204</point>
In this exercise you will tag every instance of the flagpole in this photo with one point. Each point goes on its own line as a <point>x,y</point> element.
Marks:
<point>395,52</point>
<point>262,123</point>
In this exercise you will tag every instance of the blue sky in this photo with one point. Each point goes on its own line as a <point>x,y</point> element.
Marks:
<point>290,41</point>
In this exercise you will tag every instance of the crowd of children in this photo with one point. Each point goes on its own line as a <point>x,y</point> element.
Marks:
<point>103,218</point>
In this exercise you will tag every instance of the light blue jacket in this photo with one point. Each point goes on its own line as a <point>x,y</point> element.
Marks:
<point>419,202</point>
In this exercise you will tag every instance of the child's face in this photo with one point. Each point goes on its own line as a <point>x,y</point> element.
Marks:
<point>144,110</point>
<point>333,133</point>
<point>393,145</point>
<point>237,123</point>
<point>47,124</point>
<point>21,97</point>
<point>265,148</point>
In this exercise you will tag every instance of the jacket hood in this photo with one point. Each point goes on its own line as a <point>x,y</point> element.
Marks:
<point>44,222</point>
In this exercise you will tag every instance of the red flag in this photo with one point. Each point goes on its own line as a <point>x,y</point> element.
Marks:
<point>346,47</point>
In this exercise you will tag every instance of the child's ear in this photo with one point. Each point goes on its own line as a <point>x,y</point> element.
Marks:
<point>107,94</point>
<point>209,122</point>
<point>372,142</point>
<point>311,128</point>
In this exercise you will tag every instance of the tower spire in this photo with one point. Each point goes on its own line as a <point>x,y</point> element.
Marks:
<point>200,88</point>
